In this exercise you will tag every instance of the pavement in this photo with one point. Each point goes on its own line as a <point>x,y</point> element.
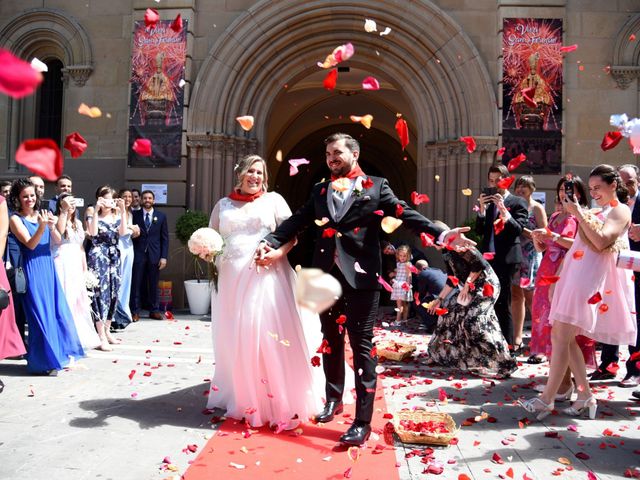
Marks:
<point>119,415</point>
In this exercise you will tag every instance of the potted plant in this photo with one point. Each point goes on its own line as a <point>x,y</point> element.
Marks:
<point>198,289</point>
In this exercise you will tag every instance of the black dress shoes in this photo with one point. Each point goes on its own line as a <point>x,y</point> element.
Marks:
<point>600,375</point>
<point>331,409</point>
<point>357,434</point>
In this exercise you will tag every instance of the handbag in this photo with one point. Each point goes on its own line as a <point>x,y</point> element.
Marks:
<point>4,299</point>
<point>20,278</point>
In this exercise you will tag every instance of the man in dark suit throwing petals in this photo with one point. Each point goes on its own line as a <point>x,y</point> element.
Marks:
<point>348,210</point>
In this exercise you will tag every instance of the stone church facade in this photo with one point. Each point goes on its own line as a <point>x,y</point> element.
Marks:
<point>440,66</point>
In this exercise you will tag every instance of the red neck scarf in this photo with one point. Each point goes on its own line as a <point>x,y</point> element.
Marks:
<point>353,174</point>
<point>241,197</point>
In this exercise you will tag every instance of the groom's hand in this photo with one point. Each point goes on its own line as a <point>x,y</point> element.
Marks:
<point>261,253</point>
<point>456,239</point>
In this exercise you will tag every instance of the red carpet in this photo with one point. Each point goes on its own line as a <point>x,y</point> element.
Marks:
<point>312,455</point>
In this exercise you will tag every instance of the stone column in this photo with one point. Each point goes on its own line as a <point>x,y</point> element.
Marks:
<point>198,171</point>
<point>217,176</point>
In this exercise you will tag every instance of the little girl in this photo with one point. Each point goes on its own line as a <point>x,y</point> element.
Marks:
<point>402,293</point>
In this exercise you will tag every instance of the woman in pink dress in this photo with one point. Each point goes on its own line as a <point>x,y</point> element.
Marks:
<point>10,341</point>
<point>592,297</point>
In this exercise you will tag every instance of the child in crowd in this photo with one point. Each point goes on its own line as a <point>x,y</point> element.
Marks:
<point>402,292</point>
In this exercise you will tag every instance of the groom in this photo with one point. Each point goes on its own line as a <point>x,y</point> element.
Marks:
<point>348,247</point>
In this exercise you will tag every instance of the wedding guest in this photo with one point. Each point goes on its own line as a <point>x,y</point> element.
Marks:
<point>136,200</point>
<point>151,249</point>
<point>248,303</point>
<point>402,293</point>
<point>592,296</point>
<point>524,279</point>
<point>122,317</point>
<point>63,185</point>
<point>11,344</point>
<point>107,221</point>
<point>609,357</point>
<point>5,188</point>
<point>71,265</point>
<point>555,241</point>
<point>38,184</point>
<point>501,219</point>
<point>53,339</point>
<point>427,283</point>
<point>468,335</point>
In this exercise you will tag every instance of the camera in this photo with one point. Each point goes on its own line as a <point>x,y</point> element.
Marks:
<point>569,189</point>
<point>488,191</point>
<point>110,203</point>
<point>79,202</point>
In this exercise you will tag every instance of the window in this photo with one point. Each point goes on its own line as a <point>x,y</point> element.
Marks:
<point>49,103</point>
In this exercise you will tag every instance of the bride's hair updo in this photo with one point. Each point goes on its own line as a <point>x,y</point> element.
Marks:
<point>608,174</point>
<point>243,166</point>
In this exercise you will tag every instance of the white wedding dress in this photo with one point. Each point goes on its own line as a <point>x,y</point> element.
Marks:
<point>262,351</point>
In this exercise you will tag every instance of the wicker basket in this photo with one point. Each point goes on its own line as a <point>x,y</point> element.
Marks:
<point>395,350</point>
<point>424,416</point>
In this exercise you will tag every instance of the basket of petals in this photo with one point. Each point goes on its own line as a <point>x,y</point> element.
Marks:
<point>421,426</point>
<point>392,350</point>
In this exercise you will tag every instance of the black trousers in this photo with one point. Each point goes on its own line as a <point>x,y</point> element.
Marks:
<point>361,309</point>
<point>505,273</point>
<point>144,278</point>
<point>610,352</point>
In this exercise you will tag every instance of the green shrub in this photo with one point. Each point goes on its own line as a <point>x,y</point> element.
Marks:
<point>188,223</point>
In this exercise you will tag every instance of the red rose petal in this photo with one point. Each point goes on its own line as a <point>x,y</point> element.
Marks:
<point>454,280</point>
<point>527,96</point>
<point>501,151</point>
<point>142,146</point>
<point>487,290</point>
<point>328,232</point>
<point>515,162</point>
<point>331,79</point>
<point>151,18</point>
<point>403,132</point>
<point>488,255</point>
<point>603,308</point>
<point>506,182</point>
<point>610,140</point>
<point>595,298</point>
<point>17,77</point>
<point>367,183</point>
<point>176,25</point>
<point>418,198</point>
<point>315,361</point>
<point>547,280</point>
<point>470,142</point>
<point>384,284</point>
<point>399,210</point>
<point>569,48</point>
<point>427,239</point>
<point>496,458</point>
<point>341,319</point>
<point>75,144</point>
<point>42,156</point>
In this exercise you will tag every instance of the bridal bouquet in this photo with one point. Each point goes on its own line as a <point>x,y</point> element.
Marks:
<point>207,244</point>
<point>91,282</point>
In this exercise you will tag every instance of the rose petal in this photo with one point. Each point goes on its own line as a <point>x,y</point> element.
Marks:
<point>370,83</point>
<point>17,77</point>
<point>364,120</point>
<point>246,122</point>
<point>569,48</point>
<point>470,142</point>
<point>386,31</point>
<point>506,182</point>
<point>176,25</point>
<point>151,18</point>
<point>370,26</point>
<point>91,112</point>
<point>75,144</point>
<point>418,198</point>
<point>515,162</point>
<point>390,224</point>
<point>42,157</point>
<point>38,65</point>
<point>611,140</point>
<point>142,146</point>
<point>331,79</point>
<point>467,192</point>
<point>295,163</point>
<point>403,132</point>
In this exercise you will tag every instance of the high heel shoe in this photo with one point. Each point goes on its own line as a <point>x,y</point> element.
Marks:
<point>587,405</point>
<point>536,405</point>
<point>560,397</point>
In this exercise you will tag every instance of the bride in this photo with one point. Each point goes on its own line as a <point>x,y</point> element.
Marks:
<point>264,346</point>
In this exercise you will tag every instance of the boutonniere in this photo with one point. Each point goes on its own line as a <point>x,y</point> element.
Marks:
<point>155,219</point>
<point>361,185</point>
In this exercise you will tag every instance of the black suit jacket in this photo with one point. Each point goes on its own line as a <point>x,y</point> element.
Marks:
<point>155,241</point>
<point>358,231</point>
<point>635,219</point>
<point>507,242</point>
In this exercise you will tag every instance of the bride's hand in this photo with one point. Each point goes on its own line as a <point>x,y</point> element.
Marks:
<point>271,255</point>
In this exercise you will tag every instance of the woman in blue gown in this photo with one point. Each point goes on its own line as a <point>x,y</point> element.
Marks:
<point>53,339</point>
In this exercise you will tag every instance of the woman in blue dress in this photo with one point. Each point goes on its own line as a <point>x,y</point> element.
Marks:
<point>53,339</point>
<point>105,224</point>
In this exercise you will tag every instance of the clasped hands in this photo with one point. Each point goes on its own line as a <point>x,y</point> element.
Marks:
<point>265,255</point>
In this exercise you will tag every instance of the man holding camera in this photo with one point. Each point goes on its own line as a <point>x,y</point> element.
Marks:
<point>501,218</point>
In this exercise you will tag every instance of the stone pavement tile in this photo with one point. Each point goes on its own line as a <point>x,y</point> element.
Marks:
<point>608,445</point>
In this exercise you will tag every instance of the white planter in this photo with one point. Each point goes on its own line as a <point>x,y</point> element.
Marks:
<point>198,296</point>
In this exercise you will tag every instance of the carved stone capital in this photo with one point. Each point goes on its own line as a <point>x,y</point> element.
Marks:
<point>624,75</point>
<point>79,73</point>
<point>199,140</point>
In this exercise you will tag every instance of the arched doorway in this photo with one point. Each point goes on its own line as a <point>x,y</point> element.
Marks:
<point>264,65</point>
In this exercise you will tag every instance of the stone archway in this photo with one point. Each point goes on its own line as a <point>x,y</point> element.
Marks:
<point>427,58</point>
<point>625,65</point>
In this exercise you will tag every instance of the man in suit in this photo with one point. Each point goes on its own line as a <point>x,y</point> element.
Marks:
<point>150,251</point>
<point>63,185</point>
<point>501,218</point>
<point>629,175</point>
<point>428,283</point>
<point>348,247</point>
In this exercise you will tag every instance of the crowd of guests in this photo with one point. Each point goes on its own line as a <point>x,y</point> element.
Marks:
<point>74,280</point>
<point>561,268</point>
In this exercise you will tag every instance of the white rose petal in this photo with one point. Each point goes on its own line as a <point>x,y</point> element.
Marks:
<point>39,65</point>
<point>370,26</point>
<point>387,31</point>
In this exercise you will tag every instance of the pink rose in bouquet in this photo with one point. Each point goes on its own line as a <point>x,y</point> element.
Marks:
<point>207,244</point>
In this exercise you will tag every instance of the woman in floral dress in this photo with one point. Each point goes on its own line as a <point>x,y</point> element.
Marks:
<point>105,225</point>
<point>468,334</point>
